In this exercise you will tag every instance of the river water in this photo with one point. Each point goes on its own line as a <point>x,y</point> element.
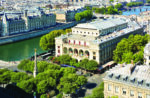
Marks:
<point>20,50</point>
<point>137,10</point>
<point>25,49</point>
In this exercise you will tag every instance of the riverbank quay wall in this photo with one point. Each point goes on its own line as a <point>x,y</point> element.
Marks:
<point>32,34</point>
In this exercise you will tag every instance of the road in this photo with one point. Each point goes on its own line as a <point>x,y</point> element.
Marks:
<point>93,82</point>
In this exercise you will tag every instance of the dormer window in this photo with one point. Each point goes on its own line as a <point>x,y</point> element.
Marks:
<point>110,75</point>
<point>148,84</point>
<point>125,78</point>
<point>117,76</point>
<point>140,82</point>
<point>132,80</point>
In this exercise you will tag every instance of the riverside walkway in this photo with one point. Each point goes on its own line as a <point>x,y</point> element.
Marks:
<point>5,64</point>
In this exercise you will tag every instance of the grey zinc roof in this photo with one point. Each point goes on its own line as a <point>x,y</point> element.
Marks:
<point>102,24</point>
<point>141,73</point>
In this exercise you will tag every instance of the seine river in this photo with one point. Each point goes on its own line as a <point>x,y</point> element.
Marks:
<point>25,49</point>
<point>20,50</point>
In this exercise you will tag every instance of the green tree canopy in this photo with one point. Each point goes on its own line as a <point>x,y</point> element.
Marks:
<point>18,77</point>
<point>68,84</point>
<point>87,14</point>
<point>91,65</point>
<point>27,85</point>
<point>47,41</point>
<point>130,49</point>
<point>46,85</point>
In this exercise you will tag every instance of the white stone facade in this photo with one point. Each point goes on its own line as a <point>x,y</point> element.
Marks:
<point>147,54</point>
<point>95,40</point>
<point>12,24</point>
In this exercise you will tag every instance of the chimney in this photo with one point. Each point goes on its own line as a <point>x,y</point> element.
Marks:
<point>132,67</point>
<point>132,62</point>
<point>121,65</point>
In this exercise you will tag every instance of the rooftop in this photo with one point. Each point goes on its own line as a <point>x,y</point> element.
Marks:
<point>98,40</point>
<point>135,75</point>
<point>102,24</point>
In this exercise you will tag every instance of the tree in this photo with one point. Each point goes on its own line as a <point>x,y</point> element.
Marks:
<point>42,65</point>
<point>83,63</point>
<point>27,85</point>
<point>60,95</point>
<point>111,0</point>
<point>18,77</point>
<point>46,85</point>
<point>87,14</point>
<point>130,49</point>
<point>26,65</point>
<point>78,16</point>
<point>118,6</point>
<point>6,77</point>
<point>64,59</point>
<point>73,62</point>
<point>68,70</point>
<point>114,96</point>
<point>48,41</point>
<point>43,96</point>
<point>68,84</point>
<point>91,65</point>
<point>3,70</point>
<point>81,80</point>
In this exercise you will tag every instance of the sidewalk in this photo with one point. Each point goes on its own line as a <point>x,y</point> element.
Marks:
<point>5,64</point>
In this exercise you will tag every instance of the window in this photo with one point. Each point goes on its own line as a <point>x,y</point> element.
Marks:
<point>131,93</point>
<point>94,53</point>
<point>109,87</point>
<point>124,91</point>
<point>139,95</point>
<point>94,57</point>
<point>147,96</point>
<point>116,89</point>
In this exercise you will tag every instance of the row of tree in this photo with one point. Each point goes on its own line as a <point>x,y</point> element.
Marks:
<point>51,78</point>
<point>47,41</point>
<point>87,14</point>
<point>66,59</point>
<point>130,49</point>
<point>108,10</point>
<point>133,4</point>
